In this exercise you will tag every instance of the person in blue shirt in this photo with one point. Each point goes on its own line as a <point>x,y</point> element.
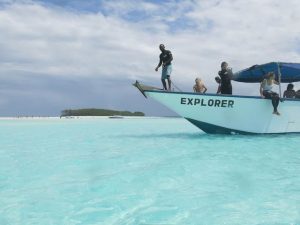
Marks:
<point>165,59</point>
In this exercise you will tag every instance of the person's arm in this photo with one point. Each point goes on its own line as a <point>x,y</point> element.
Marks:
<point>159,64</point>
<point>230,74</point>
<point>219,89</point>
<point>284,94</point>
<point>205,89</point>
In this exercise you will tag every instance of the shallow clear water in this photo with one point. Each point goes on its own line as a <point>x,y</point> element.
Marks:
<point>144,171</point>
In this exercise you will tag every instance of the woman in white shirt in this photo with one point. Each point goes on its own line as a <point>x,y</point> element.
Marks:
<point>266,87</point>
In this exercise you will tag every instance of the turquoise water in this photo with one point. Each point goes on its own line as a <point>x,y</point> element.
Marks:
<point>144,171</point>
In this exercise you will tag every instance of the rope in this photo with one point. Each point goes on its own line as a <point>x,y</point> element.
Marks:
<point>279,79</point>
<point>175,86</point>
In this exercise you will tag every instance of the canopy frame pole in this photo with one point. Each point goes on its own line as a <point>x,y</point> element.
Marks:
<point>279,78</point>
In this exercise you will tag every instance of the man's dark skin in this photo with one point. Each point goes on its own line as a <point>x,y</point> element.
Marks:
<point>163,50</point>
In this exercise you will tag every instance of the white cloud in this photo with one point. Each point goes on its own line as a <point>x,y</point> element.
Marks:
<point>50,40</point>
<point>123,7</point>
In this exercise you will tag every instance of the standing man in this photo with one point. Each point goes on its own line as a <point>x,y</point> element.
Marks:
<point>226,76</point>
<point>165,59</point>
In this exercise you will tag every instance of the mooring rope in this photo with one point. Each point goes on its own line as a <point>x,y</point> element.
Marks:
<point>176,86</point>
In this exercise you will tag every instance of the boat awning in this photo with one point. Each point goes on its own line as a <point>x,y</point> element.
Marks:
<point>290,72</point>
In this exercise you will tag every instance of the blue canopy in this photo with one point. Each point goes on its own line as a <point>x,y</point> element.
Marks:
<point>290,72</point>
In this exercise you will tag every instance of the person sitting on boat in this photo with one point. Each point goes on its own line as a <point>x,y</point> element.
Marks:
<point>165,59</point>
<point>266,87</point>
<point>226,76</point>
<point>289,92</point>
<point>199,86</point>
<point>218,80</point>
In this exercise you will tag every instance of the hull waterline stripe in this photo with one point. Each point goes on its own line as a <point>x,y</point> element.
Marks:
<point>214,129</point>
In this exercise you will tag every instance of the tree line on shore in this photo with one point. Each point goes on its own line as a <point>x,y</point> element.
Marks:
<point>98,112</point>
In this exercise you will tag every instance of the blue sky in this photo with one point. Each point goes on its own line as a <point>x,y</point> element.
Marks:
<point>72,54</point>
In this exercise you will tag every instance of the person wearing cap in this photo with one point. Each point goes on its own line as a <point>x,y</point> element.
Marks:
<point>165,59</point>
<point>199,86</point>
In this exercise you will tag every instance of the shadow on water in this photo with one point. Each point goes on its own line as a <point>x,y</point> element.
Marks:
<point>180,135</point>
<point>205,136</point>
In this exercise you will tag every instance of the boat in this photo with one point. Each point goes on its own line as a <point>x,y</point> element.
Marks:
<point>236,114</point>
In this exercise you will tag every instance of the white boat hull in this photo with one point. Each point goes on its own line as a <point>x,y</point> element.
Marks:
<point>231,114</point>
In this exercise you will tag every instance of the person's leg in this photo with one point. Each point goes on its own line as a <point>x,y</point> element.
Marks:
<point>164,84</point>
<point>169,82</point>
<point>163,77</point>
<point>168,73</point>
<point>275,102</point>
<point>268,95</point>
